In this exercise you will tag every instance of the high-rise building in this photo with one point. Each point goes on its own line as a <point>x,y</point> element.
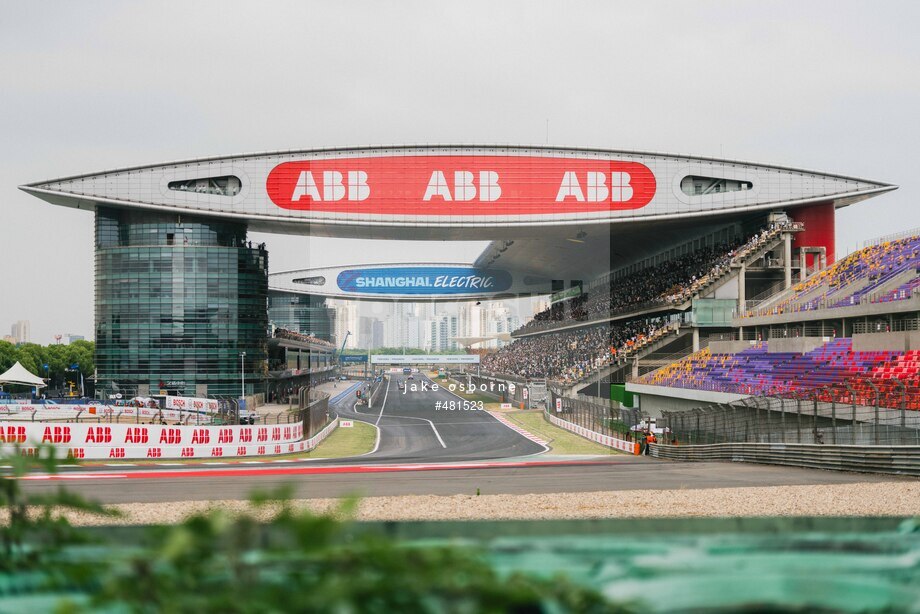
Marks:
<point>469,320</point>
<point>346,320</point>
<point>21,331</point>
<point>68,338</point>
<point>370,333</point>
<point>441,332</point>
<point>179,300</point>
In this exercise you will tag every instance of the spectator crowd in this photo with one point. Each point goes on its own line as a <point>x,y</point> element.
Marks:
<point>672,282</point>
<point>284,333</point>
<point>568,356</point>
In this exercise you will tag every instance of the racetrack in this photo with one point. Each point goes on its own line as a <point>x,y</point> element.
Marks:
<point>412,429</point>
<point>424,451</point>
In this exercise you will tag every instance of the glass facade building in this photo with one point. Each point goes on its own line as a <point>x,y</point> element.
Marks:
<point>178,299</point>
<point>302,313</point>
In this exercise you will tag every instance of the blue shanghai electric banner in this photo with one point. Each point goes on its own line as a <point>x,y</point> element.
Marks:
<point>423,280</point>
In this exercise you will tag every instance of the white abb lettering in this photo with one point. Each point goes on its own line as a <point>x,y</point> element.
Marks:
<point>464,186</point>
<point>619,190</point>
<point>333,188</point>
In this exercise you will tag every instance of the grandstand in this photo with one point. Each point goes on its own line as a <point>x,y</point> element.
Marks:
<point>642,308</point>
<point>834,370</point>
<point>881,273</point>
<point>845,334</point>
<point>849,334</point>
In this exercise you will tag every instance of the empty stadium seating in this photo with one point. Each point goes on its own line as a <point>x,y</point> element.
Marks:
<point>886,272</point>
<point>832,371</point>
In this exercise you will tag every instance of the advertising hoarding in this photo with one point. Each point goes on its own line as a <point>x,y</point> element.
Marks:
<point>423,280</point>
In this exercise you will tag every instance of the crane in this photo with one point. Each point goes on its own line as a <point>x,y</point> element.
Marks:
<point>344,341</point>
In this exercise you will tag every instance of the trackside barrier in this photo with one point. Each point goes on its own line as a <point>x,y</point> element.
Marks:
<point>377,390</point>
<point>50,412</point>
<point>605,440</point>
<point>123,441</point>
<point>902,460</point>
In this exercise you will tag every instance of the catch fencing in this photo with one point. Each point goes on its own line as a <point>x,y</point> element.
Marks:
<point>801,420</point>
<point>603,419</point>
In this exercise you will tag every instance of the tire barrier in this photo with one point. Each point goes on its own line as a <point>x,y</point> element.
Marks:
<point>900,460</point>
<point>125,441</point>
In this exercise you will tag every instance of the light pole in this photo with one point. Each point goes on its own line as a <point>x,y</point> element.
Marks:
<point>242,375</point>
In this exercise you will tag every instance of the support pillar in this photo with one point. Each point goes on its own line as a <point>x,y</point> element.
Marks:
<point>696,339</point>
<point>787,260</point>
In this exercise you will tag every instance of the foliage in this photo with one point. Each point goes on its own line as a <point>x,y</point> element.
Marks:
<point>59,359</point>
<point>217,562</point>
<point>307,563</point>
<point>32,530</point>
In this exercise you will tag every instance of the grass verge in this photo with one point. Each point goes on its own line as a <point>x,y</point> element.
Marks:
<point>560,440</point>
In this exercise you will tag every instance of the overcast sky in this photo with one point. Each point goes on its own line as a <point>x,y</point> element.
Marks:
<point>87,86</point>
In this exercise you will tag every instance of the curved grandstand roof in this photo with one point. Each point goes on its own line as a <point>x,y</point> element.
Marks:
<point>455,192</point>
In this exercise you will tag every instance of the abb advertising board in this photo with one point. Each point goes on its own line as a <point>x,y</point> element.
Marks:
<point>465,185</point>
<point>191,404</point>
<point>126,441</point>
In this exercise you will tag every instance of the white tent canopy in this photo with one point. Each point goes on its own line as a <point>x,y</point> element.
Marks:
<point>17,374</point>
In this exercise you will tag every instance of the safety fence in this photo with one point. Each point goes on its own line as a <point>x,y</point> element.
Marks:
<point>793,420</point>
<point>902,460</point>
<point>605,420</point>
<point>624,445</point>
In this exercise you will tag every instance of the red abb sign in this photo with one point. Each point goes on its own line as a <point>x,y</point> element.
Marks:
<point>461,185</point>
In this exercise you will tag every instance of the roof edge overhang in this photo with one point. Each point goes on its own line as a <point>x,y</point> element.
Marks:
<point>263,223</point>
<point>454,146</point>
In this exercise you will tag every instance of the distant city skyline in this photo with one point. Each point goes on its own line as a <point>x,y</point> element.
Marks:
<point>428,325</point>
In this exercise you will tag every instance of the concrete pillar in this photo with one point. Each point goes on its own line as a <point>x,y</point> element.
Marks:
<point>635,367</point>
<point>696,340</point>
<point>787,259</point>
<point>742,292</point>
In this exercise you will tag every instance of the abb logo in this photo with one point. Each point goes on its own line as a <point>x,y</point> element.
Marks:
<point>171,436</point>
<point>99,434</point>
<point>217,451</point>
<point>76,453</point>
<point>188,452</point>
<point>57,434</point>
<point>260,450</point>
<point>225,436</point>
<point>200,436</point>
<point>12,434</point>
<point>461,185</point>
<point>263,434</point>
<point>137,435</point>
<point>154,453</point>
<point>117,453</point>
<point>246,435</point>
<point>241,451</point>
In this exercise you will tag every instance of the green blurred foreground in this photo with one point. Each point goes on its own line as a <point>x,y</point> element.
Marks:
<point>305,563</point>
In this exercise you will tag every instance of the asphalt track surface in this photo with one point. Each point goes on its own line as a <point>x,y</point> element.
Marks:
<point>423,451</point>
